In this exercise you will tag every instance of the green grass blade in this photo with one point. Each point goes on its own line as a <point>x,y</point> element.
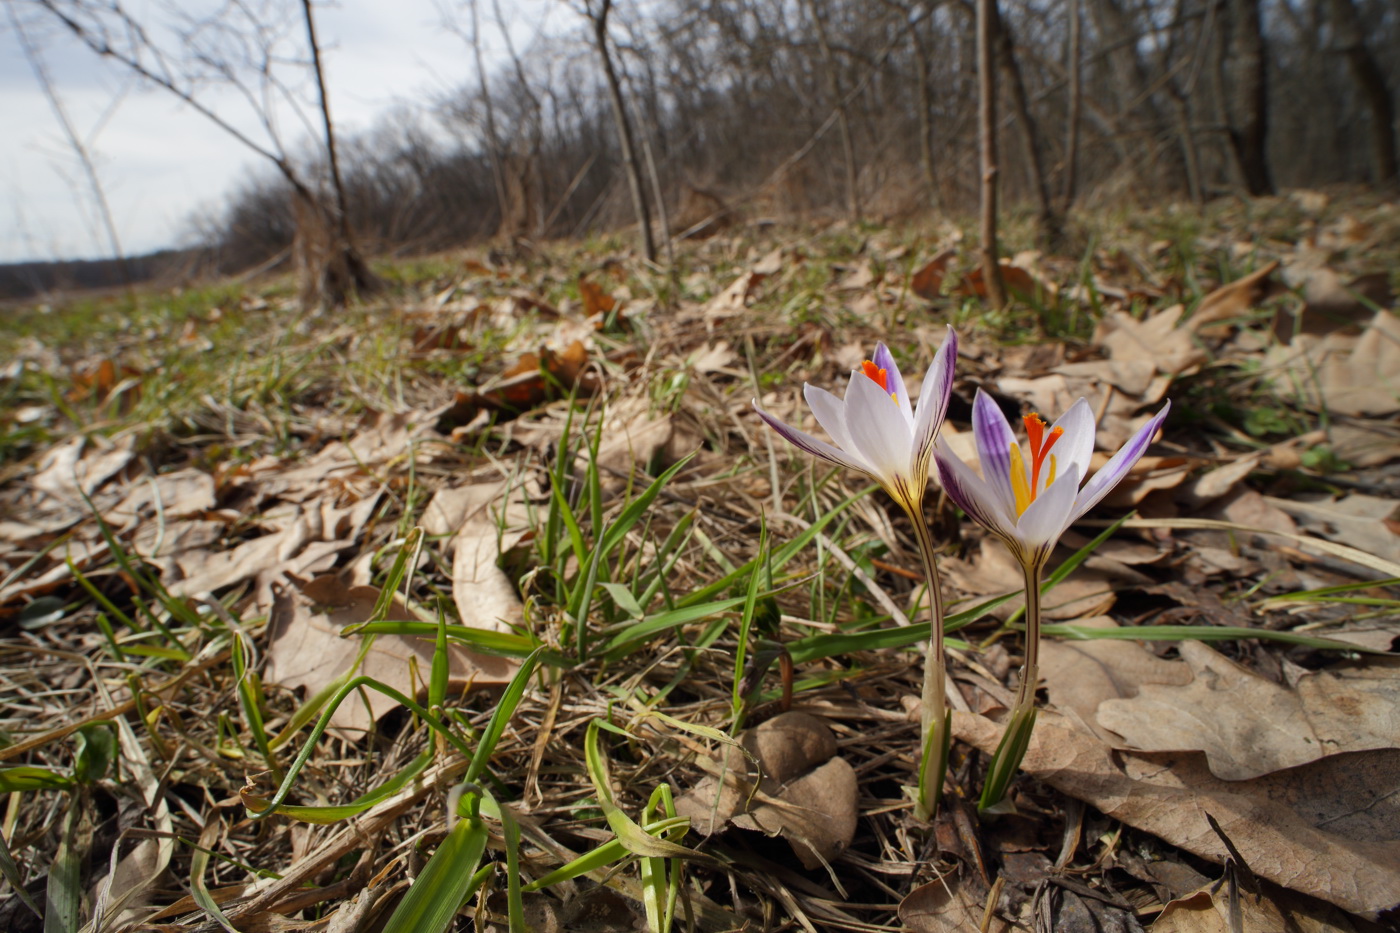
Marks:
<point>510,699</point>
<point>631,636</point>
<point>444,883</point>
<point>11,872</point>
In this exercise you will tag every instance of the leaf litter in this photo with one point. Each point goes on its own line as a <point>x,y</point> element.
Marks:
<point>286,510</point>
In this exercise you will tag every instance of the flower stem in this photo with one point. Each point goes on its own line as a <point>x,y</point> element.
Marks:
<point>935,717</point>
<point>1030,669</point>
<point>1021,721</point>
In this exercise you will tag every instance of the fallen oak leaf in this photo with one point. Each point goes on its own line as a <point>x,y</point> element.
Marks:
<point>1235,298</point>
<point>1330,828</point>
<point>1249,726</point>
<point>306,649</point>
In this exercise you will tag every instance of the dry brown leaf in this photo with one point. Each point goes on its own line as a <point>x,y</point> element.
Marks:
<point>352,467</point>
<point>815,813</point>
<point>734,299</point>
<point>305,649</point>
<point>1343,374</point>
<point>1079,675</point>
<point>495,518</point>
<point>1218,482</point>
<point>1330,829</point>
<point>804,792</point>
<point>523,386</point>
<point>1365,443</point>
<point>1149,474</point>
<point>78,466</point>
<point>1249,726</point>
<point>171,495</point>
<point>595,299</point>
<point>1235,298</point>
<point>927,283</point>
<point>633,433</point>
<point>1207,910</point>
<point>859,278</point>
<point>945,906</point>
<point>1159,340</point>
<point>1358,520</point>
<point>993,571</point>
<point>1017,280</point>
<point>211,571</point>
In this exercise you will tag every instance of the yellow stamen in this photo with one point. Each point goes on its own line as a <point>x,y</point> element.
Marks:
<point>1049,480</point>
<point>1019,488</point>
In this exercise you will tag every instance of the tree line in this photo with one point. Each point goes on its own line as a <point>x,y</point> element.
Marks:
<point>679,116</point>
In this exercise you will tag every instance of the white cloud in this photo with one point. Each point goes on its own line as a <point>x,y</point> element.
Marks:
<point>159,161</point>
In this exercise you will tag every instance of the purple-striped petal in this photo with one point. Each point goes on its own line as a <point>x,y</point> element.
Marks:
<point>812,445</point>
<point>933,397</point>
<point>830,413</point>
<point>1113,472</point>
<point>971,493</point>
<point>878,430</point>
<point>994,438</point>
<point>1076,447</point>
<point>894,382</point>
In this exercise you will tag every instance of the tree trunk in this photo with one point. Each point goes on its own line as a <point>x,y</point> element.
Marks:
<point>921,65</point>
<point>507,226</point>
<point>987,126</point>
<point>1350,41</point>
<point>833,84</point>
<point>1051,229</point>
<point>1246,99</point>
<point>625,139</point>
<point>343,272</point>
<point>1075,104</point>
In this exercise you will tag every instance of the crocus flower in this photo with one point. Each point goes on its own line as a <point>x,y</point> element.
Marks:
<point>877,429</point>
<point>1027,496</point>
<point>879,433</point>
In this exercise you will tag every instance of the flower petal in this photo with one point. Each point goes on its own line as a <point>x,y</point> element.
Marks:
<point>971,493</point>
<point>881,436</point>
<point>1045,519</point>
<point>1077,446</point>
<point>830,412</point>
<point>812,445</point>
<point>933,397</point>
<point>1115,469</point>
<point>994,439</point>
<point>894,382</point>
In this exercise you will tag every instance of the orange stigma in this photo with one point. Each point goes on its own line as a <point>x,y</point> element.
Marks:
<point>878,375</point>
<point>1040,446</point>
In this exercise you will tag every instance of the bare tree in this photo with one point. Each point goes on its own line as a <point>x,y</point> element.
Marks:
<point>342,272</point>
<point>241,49</point>
<point>1051,227</point>
<point>598,16</point>
<point>987,130</point>
<point>1370,79</point>
<point>81,148</point>
<point>1074,105</point>
<point>1246,93</point>
<point>843,120</point>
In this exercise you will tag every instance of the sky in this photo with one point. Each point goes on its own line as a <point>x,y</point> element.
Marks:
<point>160,162</point>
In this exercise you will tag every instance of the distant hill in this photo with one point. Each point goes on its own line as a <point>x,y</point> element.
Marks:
<point>21,280</point>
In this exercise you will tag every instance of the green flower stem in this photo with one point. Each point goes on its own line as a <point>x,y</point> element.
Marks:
<point>935,717</point>
<point>1030,669</point>
<point>1019,724</point>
